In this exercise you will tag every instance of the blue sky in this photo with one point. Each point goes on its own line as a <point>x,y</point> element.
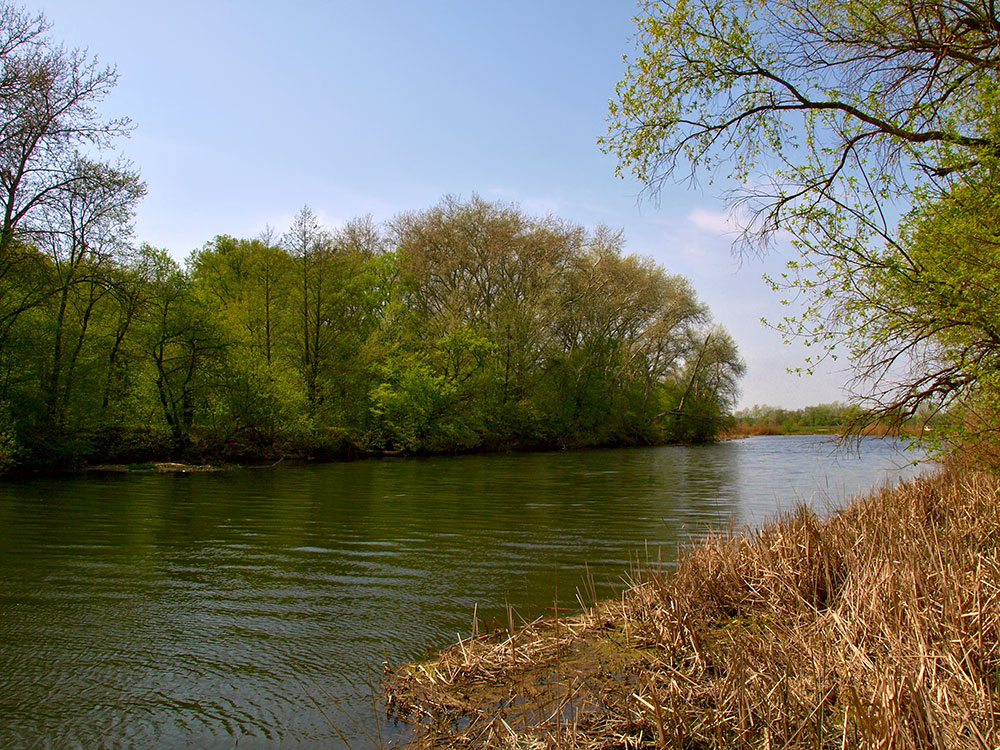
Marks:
<point>246,111</point>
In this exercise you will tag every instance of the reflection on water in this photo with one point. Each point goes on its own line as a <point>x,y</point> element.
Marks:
<point>252,607</point>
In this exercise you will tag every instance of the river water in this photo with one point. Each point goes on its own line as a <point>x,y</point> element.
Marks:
<point>255,608</point>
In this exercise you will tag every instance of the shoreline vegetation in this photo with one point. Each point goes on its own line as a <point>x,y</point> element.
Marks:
<point>404,338</point>
<point>877,627</point>
<point>162,465</point>
<point>829,419</point>
<point>159,467</point>
<point>836,420</point>
<point>743,430</point>
<point>738,431</point>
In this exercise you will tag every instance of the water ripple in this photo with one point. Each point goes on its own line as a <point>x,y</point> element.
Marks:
<point>254,609</point>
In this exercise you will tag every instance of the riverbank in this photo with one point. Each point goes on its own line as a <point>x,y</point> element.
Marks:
<point>878,627</point>
<point>156,467</point>
<point>213,461</point>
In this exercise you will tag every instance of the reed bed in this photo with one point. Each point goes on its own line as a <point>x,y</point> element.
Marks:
<point>875,628</point>
<point>743,429</point>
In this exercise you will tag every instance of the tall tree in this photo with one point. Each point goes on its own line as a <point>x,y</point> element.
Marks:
<point>85,229</point>
<point>481,269</point>
<point>244,280</point>
<point>269,268</point>
<point>534,329</point>
<point>837,117</point>
<point>186,347</point>
<point>49,112</point>
<point>132,286</point>
<point>310,245</point>
<point>625,329</point>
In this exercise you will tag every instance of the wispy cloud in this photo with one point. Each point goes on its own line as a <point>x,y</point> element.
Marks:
<point>715,222</point>
<point>536,205</point>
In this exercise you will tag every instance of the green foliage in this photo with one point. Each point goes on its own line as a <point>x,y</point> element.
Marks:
<point>790,420</point>
<point>482,329</point>
<point>425,400</point>
<point>836,118</point>
<point>8,440</point>
<point>407,405</point>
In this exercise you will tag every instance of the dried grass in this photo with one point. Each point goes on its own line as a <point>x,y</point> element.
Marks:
<point>877,628</point>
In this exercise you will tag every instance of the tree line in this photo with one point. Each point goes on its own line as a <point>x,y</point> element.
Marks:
<point>836,417</point>
<point>465,326</point>
<point>775,419</point>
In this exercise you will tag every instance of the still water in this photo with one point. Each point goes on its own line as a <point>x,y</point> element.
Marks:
<point>254,608</point>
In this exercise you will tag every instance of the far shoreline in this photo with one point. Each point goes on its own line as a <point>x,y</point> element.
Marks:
<point>205,465</point>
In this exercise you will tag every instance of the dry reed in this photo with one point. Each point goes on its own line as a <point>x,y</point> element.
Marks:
<point>876,628</point>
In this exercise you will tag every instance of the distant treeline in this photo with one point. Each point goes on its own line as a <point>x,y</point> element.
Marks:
<point>833,417</point>
<point>468,326</point>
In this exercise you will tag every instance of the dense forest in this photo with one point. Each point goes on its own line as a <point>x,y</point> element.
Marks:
<point>467,326</point>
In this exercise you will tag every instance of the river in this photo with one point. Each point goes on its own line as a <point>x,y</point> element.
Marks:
<point>255,607</point>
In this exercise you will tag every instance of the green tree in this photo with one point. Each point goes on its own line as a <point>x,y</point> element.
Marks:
<point>245,280</point>
<point>538,331</point>
<point>710,376</point>
<point>85,230</point>
<point>476,271</point>
<point>334,309</point>
<point>186,347</point>
<point>837,117</point>
<point>253,403</point>
<point>125,413</point>
<point>625,330</point>
<point>934,308</point>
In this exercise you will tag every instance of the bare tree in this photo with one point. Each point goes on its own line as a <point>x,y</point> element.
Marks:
<point>48,113</point>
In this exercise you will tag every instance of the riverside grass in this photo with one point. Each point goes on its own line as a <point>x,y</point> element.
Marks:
<point>875,628</point>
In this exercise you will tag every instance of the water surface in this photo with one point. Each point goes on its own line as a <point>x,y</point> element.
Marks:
<point>255,608</point>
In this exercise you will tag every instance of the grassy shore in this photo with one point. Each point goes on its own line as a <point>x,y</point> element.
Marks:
<point>876,628</point>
